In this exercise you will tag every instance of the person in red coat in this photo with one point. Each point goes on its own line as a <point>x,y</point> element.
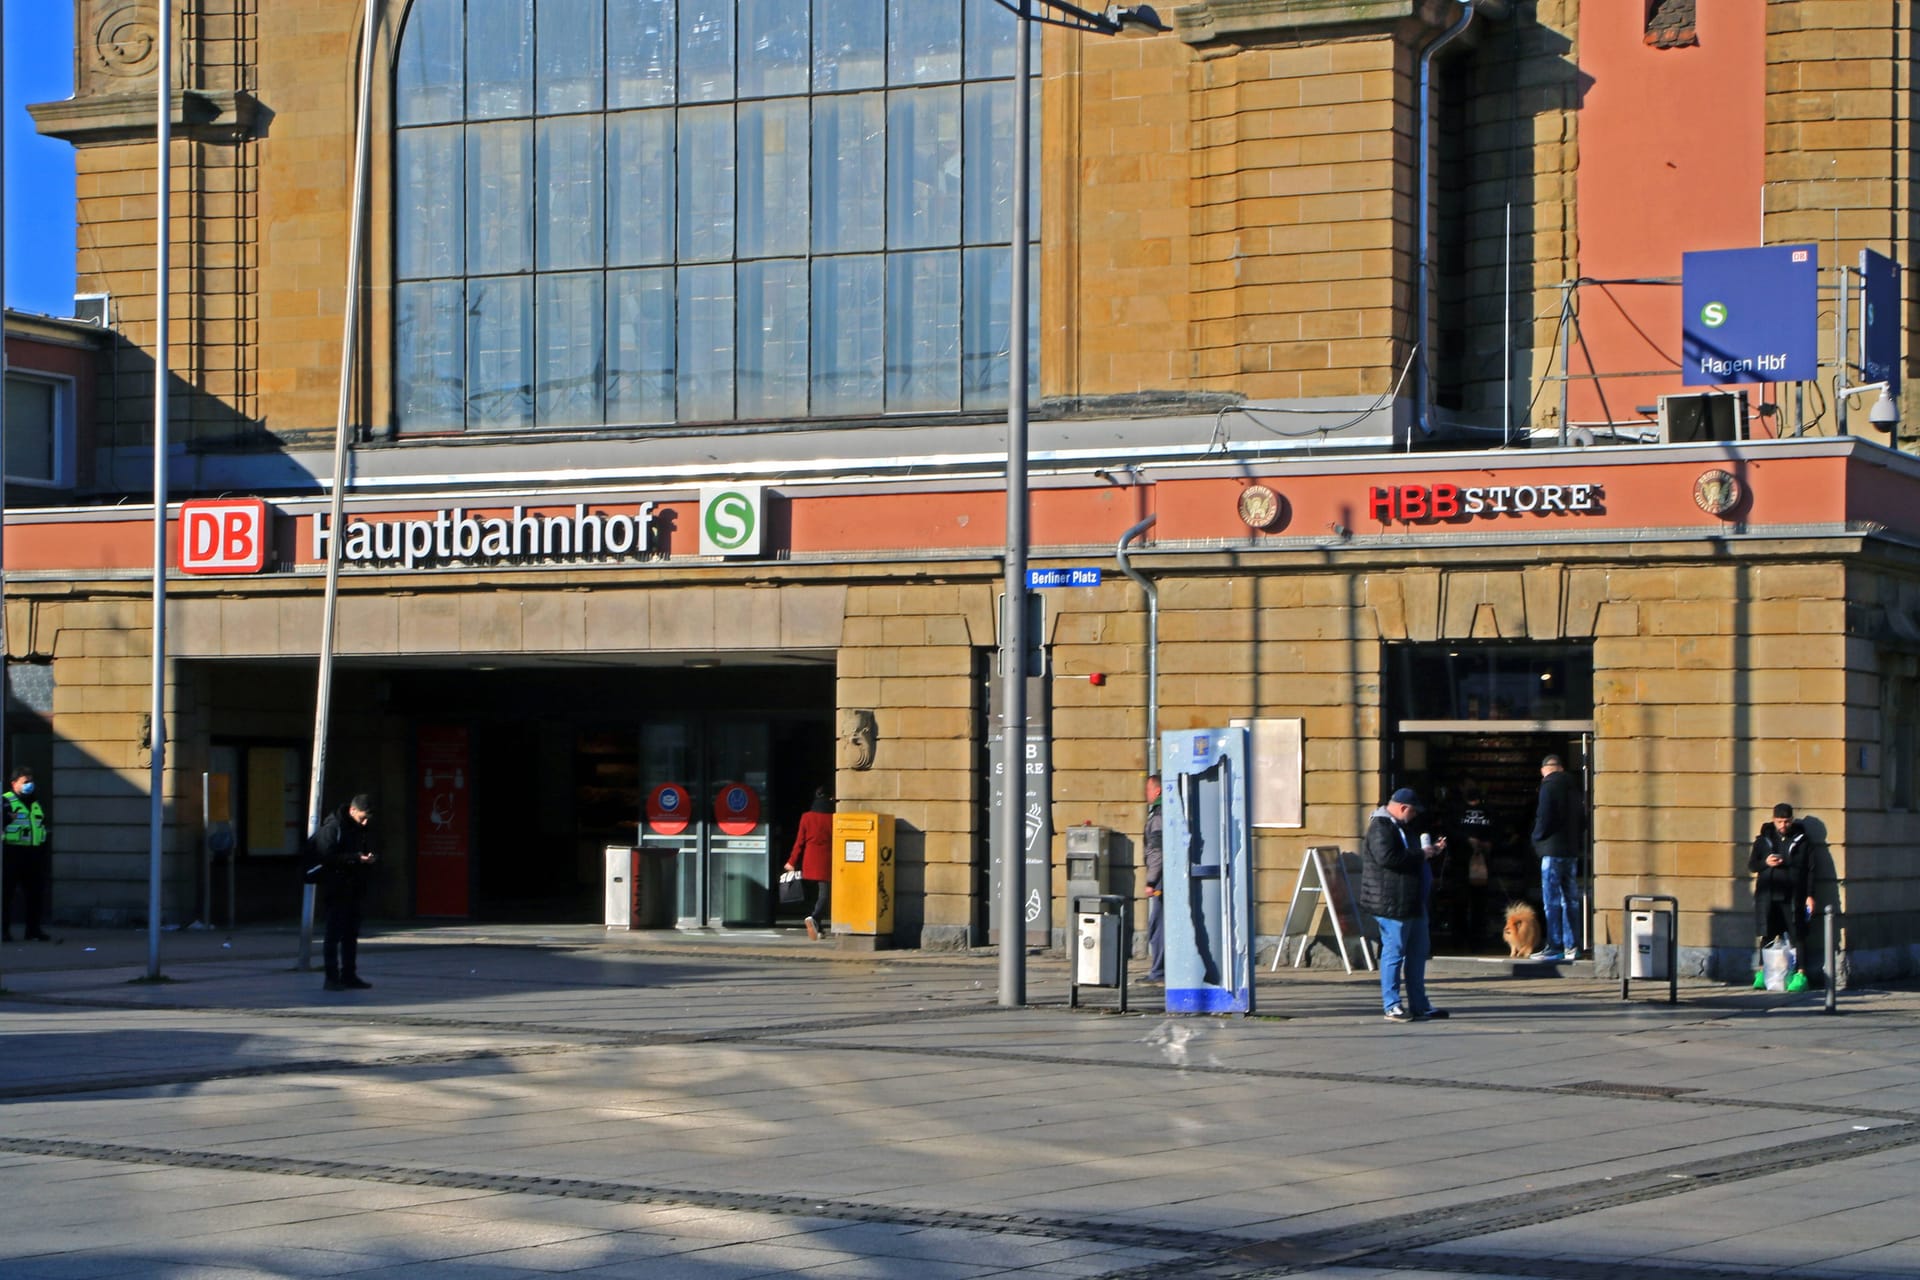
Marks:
<point>812,856</point>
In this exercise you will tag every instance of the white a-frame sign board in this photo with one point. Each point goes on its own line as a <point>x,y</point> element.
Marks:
<point>1323,892</point>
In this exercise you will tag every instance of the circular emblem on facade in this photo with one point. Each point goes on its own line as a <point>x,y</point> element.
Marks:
<point>126,39</point>
<point>1716,492</point>
<point>668,809</point>
<point>1259,506</point>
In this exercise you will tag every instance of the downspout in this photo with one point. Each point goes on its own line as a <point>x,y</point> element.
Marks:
<point>1153,640</point>
<point>1423,220</point>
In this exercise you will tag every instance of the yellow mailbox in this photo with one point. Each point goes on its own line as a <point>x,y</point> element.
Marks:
<point>863,874</point>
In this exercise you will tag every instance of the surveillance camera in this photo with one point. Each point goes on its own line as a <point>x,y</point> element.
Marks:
<point>1885,412</point>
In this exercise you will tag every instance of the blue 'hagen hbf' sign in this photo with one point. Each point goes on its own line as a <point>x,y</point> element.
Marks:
<point>1750,315</point>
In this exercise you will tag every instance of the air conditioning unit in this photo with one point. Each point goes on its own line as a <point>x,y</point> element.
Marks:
<point>93,308</point>
<point>1703,417</point>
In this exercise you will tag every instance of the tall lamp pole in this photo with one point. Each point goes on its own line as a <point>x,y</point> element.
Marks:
<point>1012,921</point>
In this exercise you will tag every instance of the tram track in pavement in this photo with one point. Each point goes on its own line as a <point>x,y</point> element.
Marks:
<point>801,1034</point>
<point>1414,1241</point>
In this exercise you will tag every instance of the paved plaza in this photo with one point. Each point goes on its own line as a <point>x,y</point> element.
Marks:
<point>525,1101</point>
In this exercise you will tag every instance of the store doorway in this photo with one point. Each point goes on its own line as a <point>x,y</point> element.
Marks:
<point>1467,772</point>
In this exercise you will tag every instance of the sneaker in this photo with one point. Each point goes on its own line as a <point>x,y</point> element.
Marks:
<point>1798,982</point>
<point>1432,1015</point>
<point>356,984</point>
<point>1571,953</point>
<point>1546,953</point>
<point>1759,979</point>
<point>1399,1014</point>
<point>813,930</point>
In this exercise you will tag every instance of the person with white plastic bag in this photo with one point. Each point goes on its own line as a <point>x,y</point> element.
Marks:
<point>812,857</point>
<point>1782,866</point>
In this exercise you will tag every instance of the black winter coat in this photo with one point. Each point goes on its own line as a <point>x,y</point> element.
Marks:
<point>337,845</point>
<point>1793,879</point>
<point>1393,871</point>
<point>1556,822</point>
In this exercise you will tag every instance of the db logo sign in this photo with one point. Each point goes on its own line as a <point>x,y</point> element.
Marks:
<point>227,535</point>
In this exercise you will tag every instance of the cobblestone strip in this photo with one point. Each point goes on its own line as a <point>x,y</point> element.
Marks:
<point>1120,1235</point>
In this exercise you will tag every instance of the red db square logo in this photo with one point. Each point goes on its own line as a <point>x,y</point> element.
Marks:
<point>227,535</point>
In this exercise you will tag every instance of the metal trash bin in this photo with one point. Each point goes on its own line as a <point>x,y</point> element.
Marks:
<point>1648,940</point>
<point>1100,924</point>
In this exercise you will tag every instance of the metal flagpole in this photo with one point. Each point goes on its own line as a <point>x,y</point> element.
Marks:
<point>157,733</point>
<point>1013,641</point>
<point>4,681</point>
<point>323,698</point>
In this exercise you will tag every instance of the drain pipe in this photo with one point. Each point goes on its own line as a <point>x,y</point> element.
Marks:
<point>1153,639</point>
<point>1423,220</point>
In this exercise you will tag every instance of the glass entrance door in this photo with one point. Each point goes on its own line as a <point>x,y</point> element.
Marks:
<point>704,795</point>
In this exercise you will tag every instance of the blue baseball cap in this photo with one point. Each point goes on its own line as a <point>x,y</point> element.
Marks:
<point>1405,795</point>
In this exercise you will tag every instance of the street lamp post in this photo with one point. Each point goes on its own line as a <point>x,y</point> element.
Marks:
<point>1116,20</point>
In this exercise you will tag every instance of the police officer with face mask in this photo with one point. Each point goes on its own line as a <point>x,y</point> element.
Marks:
<point>28,860</point>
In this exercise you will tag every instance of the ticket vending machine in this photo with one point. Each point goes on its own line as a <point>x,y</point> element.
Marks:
<point>1207,875</point>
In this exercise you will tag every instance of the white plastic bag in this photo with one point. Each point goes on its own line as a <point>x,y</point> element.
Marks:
<point>1776,963</point>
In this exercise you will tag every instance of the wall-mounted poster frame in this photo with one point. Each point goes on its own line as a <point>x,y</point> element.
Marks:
<point>1278,745</point>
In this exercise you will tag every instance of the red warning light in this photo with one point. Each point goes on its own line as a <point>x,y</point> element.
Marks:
<point>1097,678</point>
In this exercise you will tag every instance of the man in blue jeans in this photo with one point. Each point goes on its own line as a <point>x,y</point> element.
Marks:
<point>1396,886</point>
<point>1556,838</point>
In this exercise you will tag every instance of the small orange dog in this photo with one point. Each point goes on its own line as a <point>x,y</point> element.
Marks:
<point>1522,933</point>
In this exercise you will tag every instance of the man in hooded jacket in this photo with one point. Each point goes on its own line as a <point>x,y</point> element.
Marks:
<point>344,848</point>
<point>1782,867</point>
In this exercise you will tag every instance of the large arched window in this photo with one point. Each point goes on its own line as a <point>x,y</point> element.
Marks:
<point>651,211</point>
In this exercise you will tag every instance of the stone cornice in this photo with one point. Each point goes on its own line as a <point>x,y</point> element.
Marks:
<point>1211,20</point>
<point>207,115</point>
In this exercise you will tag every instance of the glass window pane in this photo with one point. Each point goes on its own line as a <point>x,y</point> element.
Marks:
<point>427,83</point>
<point>989,164</point>
<point>849,173</point>
<point>992,40</point>
<point>849,44</point>
<point>923,168</point>
<point>773,48</point>
<point>986,301</point>
<point>923,332</point>
<point>571,54</point>
<point>568,170</point>
<point>499,58</point>
<point>706,50</point>
<point>640,53</point>
<point>32,421</point>
<point>567,323</point>
<point>428,204</point>
<point>923,41</point>
<point>429,364</point>
<point>640,376</point>
<point>705,345</point>
<point>773,178</point>
<point>849,348</point>
<point>706,183</point>
<point>500,354</point>
<point>640,187</point>
<point>499,197</point>
<point>773,339</point>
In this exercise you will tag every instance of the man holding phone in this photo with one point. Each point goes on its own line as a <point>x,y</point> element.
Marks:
<point>1396,886</point>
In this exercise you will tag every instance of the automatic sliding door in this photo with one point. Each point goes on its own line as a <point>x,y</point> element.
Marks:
<point>737,863</point>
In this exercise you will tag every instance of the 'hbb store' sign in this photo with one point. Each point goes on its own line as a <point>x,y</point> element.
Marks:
<point>225,535</point>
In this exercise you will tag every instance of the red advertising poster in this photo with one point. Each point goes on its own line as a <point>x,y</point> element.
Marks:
<point>669,809</point>
<point>736,808</point>
<point>443,773</point>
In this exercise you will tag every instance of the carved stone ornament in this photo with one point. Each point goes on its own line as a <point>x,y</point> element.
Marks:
<point>1716,492</point>
<point>123,38</point>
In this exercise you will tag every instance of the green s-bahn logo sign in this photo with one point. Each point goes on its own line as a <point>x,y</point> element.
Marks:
<point>730,520</point>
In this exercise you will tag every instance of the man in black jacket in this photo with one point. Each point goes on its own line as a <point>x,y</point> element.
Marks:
<point>1396,886</point>
<point>344,848</point>
<point>1152,840</point>
<point>1782,868</point>
<point>1556,838</point>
